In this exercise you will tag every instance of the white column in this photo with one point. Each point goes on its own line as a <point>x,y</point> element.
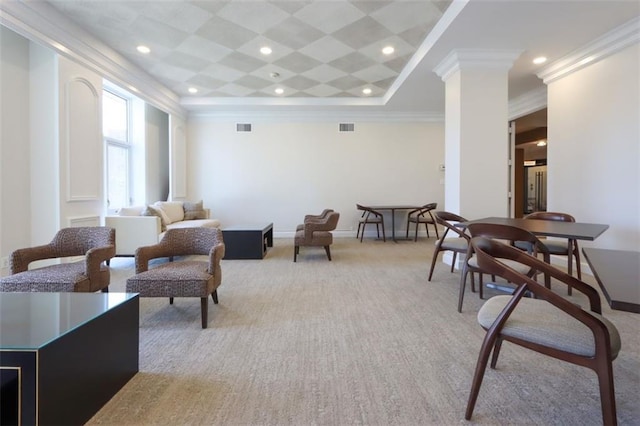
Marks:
<point>476,131</point>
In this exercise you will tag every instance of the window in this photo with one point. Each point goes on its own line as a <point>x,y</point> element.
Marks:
<point>116,133</point>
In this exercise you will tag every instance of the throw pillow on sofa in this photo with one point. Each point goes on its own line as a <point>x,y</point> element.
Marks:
<point>155,211</point>
<point>173,210</point>
<point>194,211</point>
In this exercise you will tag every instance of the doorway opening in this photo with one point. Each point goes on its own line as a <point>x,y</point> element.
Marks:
<point>530,163</point>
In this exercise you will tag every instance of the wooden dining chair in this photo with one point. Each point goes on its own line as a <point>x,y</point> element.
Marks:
<point>457,245</point>
<point>421,216</point>
<point>546,323</point>
<point>370,216</point>
<point>567,247</point>
<point>505,233</point>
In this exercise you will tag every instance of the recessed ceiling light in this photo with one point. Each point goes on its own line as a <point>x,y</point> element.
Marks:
<point>366,91</point>
<point>265,50</point>
<point>279,90</point>
<point>143,49</point>
<point>540,60</point>
<point>133,89</point>
<point>193,90</point>
<point>388,50</point>
<point>542,143</point>
<point>274,74</point>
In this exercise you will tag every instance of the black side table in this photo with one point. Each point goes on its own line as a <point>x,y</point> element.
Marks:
<point>247,241</point>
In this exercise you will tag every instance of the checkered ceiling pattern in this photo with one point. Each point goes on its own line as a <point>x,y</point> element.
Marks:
<point>321,48</point>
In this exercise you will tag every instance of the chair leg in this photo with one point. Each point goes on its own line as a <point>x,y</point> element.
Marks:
<point>426,227</point>
<point>496,352</point>
<point>362,233</point>
<point>214,296</point>
<point>378,229</point>
<point>407,233</point>
<point>105,290</point>
<point>463,282</point>
<point>453,262</point>
<point>384,237</point>
<point>607,393</point>
<point>481,366</point>
<point>480,285</point>
<point>435,226</point>
<point>171,300</point>
<point>204,308</point>
<point>296,249</point>
<point>326,248</point>
<point>433,263</point>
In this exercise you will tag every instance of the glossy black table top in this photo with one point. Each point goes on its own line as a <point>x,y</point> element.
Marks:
<point>31,320</point>
<point>549,228</point>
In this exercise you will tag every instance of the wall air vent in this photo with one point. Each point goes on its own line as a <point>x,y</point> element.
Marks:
<point>243,127</point>
<point>346,127</point>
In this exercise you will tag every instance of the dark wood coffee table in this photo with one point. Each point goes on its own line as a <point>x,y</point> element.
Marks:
<point>247,241</point>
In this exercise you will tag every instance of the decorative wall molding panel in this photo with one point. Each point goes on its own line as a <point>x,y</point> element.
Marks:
<point>82,140</point>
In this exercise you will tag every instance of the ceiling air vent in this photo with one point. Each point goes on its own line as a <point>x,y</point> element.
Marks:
<point>243,127</point>
<point>346,127</point>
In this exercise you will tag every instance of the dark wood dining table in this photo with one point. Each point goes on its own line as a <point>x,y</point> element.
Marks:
<point>618,275</point>
<point>393,208</point>
<point>549,228</point>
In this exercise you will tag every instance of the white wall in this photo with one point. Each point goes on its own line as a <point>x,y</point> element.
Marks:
<point>14,142</point>
<point>282,170</point>
<point>594,147</point>
<point>157,154</point>
<point>44,163</point>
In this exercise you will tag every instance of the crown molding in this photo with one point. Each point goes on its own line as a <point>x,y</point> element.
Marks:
<point>460,59</point>
<point>43,24</point>
<point>610,43</point>
<point>293,116</point>
<point>532,101</point>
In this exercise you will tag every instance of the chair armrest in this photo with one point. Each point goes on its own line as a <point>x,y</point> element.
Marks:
<point>311,227</point>
<point>215,256</point>
<point>134,231</point>
<point>94,259</point>
<point>21,258</point>
<point>146,253</point>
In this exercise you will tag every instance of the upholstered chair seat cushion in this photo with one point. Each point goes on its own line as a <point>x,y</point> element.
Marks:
<point>557,246</point>
<point>539,321</point>
<point>554,246</point>
<point>422,219</point>
<point>188,278</point>
<point>454,244</point>
<point>519,267</point>
<point>64,277</point>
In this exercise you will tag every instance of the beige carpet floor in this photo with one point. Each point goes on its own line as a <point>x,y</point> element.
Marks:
<point>362,340</point>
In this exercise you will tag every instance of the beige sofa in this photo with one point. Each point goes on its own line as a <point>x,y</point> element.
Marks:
<point>139,226</point>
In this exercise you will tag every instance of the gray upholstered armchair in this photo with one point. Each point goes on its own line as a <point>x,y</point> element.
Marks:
<point>96,243</point>
<point>182,277</point>
<point>316,233</point>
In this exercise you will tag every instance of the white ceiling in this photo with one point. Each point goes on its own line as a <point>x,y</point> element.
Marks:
<point>327,51</point>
